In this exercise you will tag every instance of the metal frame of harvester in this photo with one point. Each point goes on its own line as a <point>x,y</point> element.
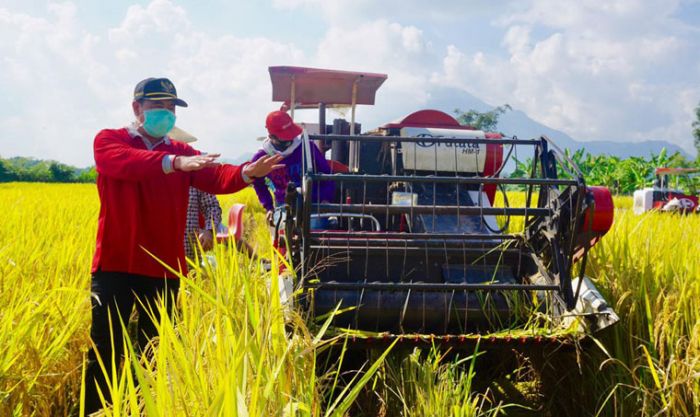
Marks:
<point>412,246</point>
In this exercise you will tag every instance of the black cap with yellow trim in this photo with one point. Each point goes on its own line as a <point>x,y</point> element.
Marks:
<point>157,89</point>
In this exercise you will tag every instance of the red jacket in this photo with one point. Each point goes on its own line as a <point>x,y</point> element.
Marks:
<point>142,208</point>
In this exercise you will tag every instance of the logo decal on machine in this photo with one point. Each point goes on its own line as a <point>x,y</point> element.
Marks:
<point>428,155</point>
<point>466,148</point>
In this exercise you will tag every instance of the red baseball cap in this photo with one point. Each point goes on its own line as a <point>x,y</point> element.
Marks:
<point>281,125</point>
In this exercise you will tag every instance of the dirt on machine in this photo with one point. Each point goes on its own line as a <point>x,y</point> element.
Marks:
<point>424,241</point>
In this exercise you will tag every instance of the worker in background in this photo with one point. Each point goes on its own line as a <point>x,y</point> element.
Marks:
<point>143,182</point>
<point>285,140</point>
<point>203,222</point>
<point>203,211</point>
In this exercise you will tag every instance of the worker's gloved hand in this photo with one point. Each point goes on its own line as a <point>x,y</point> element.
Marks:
<point>206,239</point>
<point>262,166</point>
<point>195,162</point>
<point>269,216</point>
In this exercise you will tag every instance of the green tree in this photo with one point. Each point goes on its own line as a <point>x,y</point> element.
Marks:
<point>6,172</point>
<point>486,121</point>
<point>87,175</point>
<point>61,172</point>
<point>622,176</point>
<point>37,173</point>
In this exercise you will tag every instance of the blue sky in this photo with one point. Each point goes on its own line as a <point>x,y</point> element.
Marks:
<point>621,69</point>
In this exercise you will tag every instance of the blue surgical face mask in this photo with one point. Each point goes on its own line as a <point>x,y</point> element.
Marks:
<point>158,122</point>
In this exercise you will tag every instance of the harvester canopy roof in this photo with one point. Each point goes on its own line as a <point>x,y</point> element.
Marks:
<point>676,171</point>
<point>314,86</point>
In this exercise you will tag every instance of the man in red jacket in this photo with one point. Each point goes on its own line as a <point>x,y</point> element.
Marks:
<point>143,180</point>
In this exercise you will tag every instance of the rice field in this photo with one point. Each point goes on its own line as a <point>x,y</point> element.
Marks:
<point>229,350</point>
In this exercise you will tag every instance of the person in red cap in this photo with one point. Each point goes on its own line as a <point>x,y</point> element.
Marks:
<point>284,139</point>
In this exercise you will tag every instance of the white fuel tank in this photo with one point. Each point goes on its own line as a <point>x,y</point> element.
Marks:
<point>444,157</point>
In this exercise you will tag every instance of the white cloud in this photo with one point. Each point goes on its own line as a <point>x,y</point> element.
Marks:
<point>350,13</point>
<point>160,17</point>
<point>80,82</point>
<point>229,87</point>
<point>620,70</point>
<point>224,78</point>
<point>46,64</point>
<point>381,46</point>
<point>593,70</point>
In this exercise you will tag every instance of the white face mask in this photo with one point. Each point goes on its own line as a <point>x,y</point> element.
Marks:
<point>272,150</point>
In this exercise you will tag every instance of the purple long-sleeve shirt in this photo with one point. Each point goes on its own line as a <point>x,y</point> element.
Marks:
<point>278,179</point>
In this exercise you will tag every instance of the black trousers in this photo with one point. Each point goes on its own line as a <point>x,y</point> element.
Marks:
<point>115,294</point>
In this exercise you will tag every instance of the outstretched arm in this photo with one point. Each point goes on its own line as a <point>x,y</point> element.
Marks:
<point>227,179</point>
<point>263,166</point>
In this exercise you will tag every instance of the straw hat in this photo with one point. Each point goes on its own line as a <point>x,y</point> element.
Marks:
<point>181,136</point>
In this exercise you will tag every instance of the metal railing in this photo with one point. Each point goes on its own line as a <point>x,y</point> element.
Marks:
<point>545,241</point>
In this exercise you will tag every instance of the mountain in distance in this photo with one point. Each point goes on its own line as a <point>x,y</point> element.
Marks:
<point>515,122</point>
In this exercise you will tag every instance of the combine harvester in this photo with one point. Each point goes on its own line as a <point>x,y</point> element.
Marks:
<point>664,198</point>
<point>422,243</point>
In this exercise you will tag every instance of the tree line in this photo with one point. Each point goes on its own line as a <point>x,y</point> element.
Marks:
<point>622,176</point>
<point>36,170</point>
